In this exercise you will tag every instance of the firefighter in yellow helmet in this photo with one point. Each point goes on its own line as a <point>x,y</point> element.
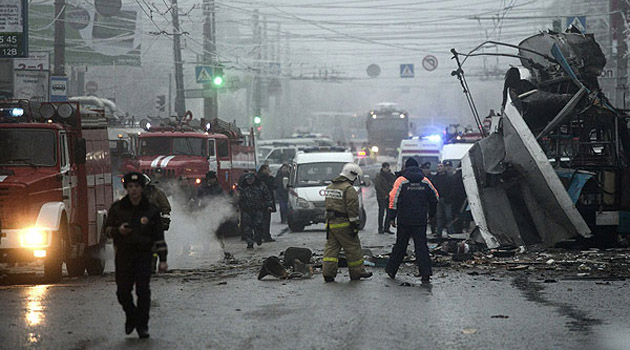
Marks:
<point>342,225</point>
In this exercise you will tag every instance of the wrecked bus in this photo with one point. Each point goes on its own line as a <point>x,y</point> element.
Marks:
<point>556,166</point>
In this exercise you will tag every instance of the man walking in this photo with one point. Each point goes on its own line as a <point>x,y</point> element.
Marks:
<point>264,174</point>
<point>383,183</point>
<point>254,200</point>
<point>443,182</point>
<point>135,226</point>
<point>412,195</point>
<point>282,193</point>
<point>342,225</point>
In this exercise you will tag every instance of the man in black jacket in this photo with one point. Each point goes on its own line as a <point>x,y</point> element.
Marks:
<point>254,200</point>
<point>135,225</point>
<point>443,182</point>
<point>383,183</point>
<point>282,193</point>
<point>411,197</point>
<point>264,174</point>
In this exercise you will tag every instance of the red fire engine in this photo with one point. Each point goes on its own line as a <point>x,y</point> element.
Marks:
<point>55,186</point>
<point>186,153</point>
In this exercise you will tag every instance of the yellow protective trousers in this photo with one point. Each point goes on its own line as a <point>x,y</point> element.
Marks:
<point>339,236</point>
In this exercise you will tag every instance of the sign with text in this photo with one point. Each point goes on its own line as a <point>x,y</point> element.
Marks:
<point>34,61</point>
<point>13,28</point>
<point>31,85</point>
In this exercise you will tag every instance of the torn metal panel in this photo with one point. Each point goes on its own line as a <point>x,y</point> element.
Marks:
<point>515,196</point>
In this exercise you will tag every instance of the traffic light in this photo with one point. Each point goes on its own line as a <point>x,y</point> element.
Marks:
<point>160,103</point>
<point>217,77</point>
<point>258,124</point>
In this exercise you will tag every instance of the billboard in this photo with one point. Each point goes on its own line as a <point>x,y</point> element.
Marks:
<point>13,32</point>
<point>92,38</point>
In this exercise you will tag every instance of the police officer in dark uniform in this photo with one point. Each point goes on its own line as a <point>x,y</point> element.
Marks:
<point>135,226</point>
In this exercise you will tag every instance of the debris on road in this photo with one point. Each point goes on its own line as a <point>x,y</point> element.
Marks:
<point>272,266</point>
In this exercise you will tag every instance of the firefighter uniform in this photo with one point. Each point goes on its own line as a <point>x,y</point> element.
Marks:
<point>342,213</point>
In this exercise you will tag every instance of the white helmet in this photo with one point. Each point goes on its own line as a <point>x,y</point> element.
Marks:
<point>351,171</point>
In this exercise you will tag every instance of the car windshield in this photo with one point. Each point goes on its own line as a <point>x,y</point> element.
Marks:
<point>28,147</point>
<point>317,174</point>
<point>159,146</point>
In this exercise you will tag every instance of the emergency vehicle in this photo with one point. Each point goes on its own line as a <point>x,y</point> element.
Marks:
<point>186,153</point>
<point>312,170</point>
<point>423,149</point>
<point>55,186</point>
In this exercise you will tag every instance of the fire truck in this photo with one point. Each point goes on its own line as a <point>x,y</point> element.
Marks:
<point>55,186</point>
<point>186,152</point>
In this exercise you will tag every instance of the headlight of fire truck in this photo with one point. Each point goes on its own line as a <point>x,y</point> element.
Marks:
<point>35,237</point>
<point>303,203</point>
<point>374,149</point>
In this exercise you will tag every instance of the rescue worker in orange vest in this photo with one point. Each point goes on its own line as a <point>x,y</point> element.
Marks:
<point>342,225</point>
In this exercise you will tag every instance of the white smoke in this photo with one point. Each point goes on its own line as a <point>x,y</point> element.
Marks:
<point>191,238</point>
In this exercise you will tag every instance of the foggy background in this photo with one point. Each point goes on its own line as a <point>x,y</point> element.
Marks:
<point>316,53</point>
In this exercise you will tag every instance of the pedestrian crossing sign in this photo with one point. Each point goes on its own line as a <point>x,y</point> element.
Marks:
<point>203,74</point>
<point>406,70</point>
<point>579,22</point>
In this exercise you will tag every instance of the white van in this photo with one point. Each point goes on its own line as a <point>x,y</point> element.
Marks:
<point>425,149</point>
<point>311,172</point>
<point>454,152</point>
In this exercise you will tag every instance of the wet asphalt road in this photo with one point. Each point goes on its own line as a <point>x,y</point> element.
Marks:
<point>207,305</point>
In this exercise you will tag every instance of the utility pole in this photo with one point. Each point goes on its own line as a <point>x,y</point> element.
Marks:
<point>180,100</point>
<point>257,93</point>
<point>210,103</point>
<point>622,52</point>
<point>60,38</point>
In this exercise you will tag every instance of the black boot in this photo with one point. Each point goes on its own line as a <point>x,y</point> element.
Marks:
<point>130,324</point>
<point>363,275</point>
<point>143,332</point>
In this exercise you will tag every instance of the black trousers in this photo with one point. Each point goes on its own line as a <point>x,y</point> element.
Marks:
<point>266,225</point>
<point>419,235</point>
<point>134,268</point>
<point>252,224</point>
<point>382,215</point>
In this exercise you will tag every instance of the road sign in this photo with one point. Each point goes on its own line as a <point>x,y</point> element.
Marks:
<point>198,93</point>
<point>13,28</point>
<point>34,61</point>
<point>430,63</point>
<point>91,87</point>
<point>275,68</point>
<point>373,70</point>
<point>203,74</point>
<point>58,89</point>
<point>578,22</point>
<point>406,70</point>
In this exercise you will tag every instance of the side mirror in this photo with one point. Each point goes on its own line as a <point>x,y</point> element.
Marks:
<point>285,182</point>
<point>80,151</point>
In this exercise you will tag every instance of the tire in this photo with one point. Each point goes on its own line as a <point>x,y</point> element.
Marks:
<point>54,258</point>
<point>95,260</point>
<point>75,266</point>
<point>295,226</point>
<point>362,219</point>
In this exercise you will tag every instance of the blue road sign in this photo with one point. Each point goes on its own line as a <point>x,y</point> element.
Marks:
<point>406,70</point>
<point>58,89</point>
<point>203,74</point>
<point>578,22</point>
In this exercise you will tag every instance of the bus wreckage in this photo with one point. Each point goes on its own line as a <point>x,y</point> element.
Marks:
<point>555,165</point>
